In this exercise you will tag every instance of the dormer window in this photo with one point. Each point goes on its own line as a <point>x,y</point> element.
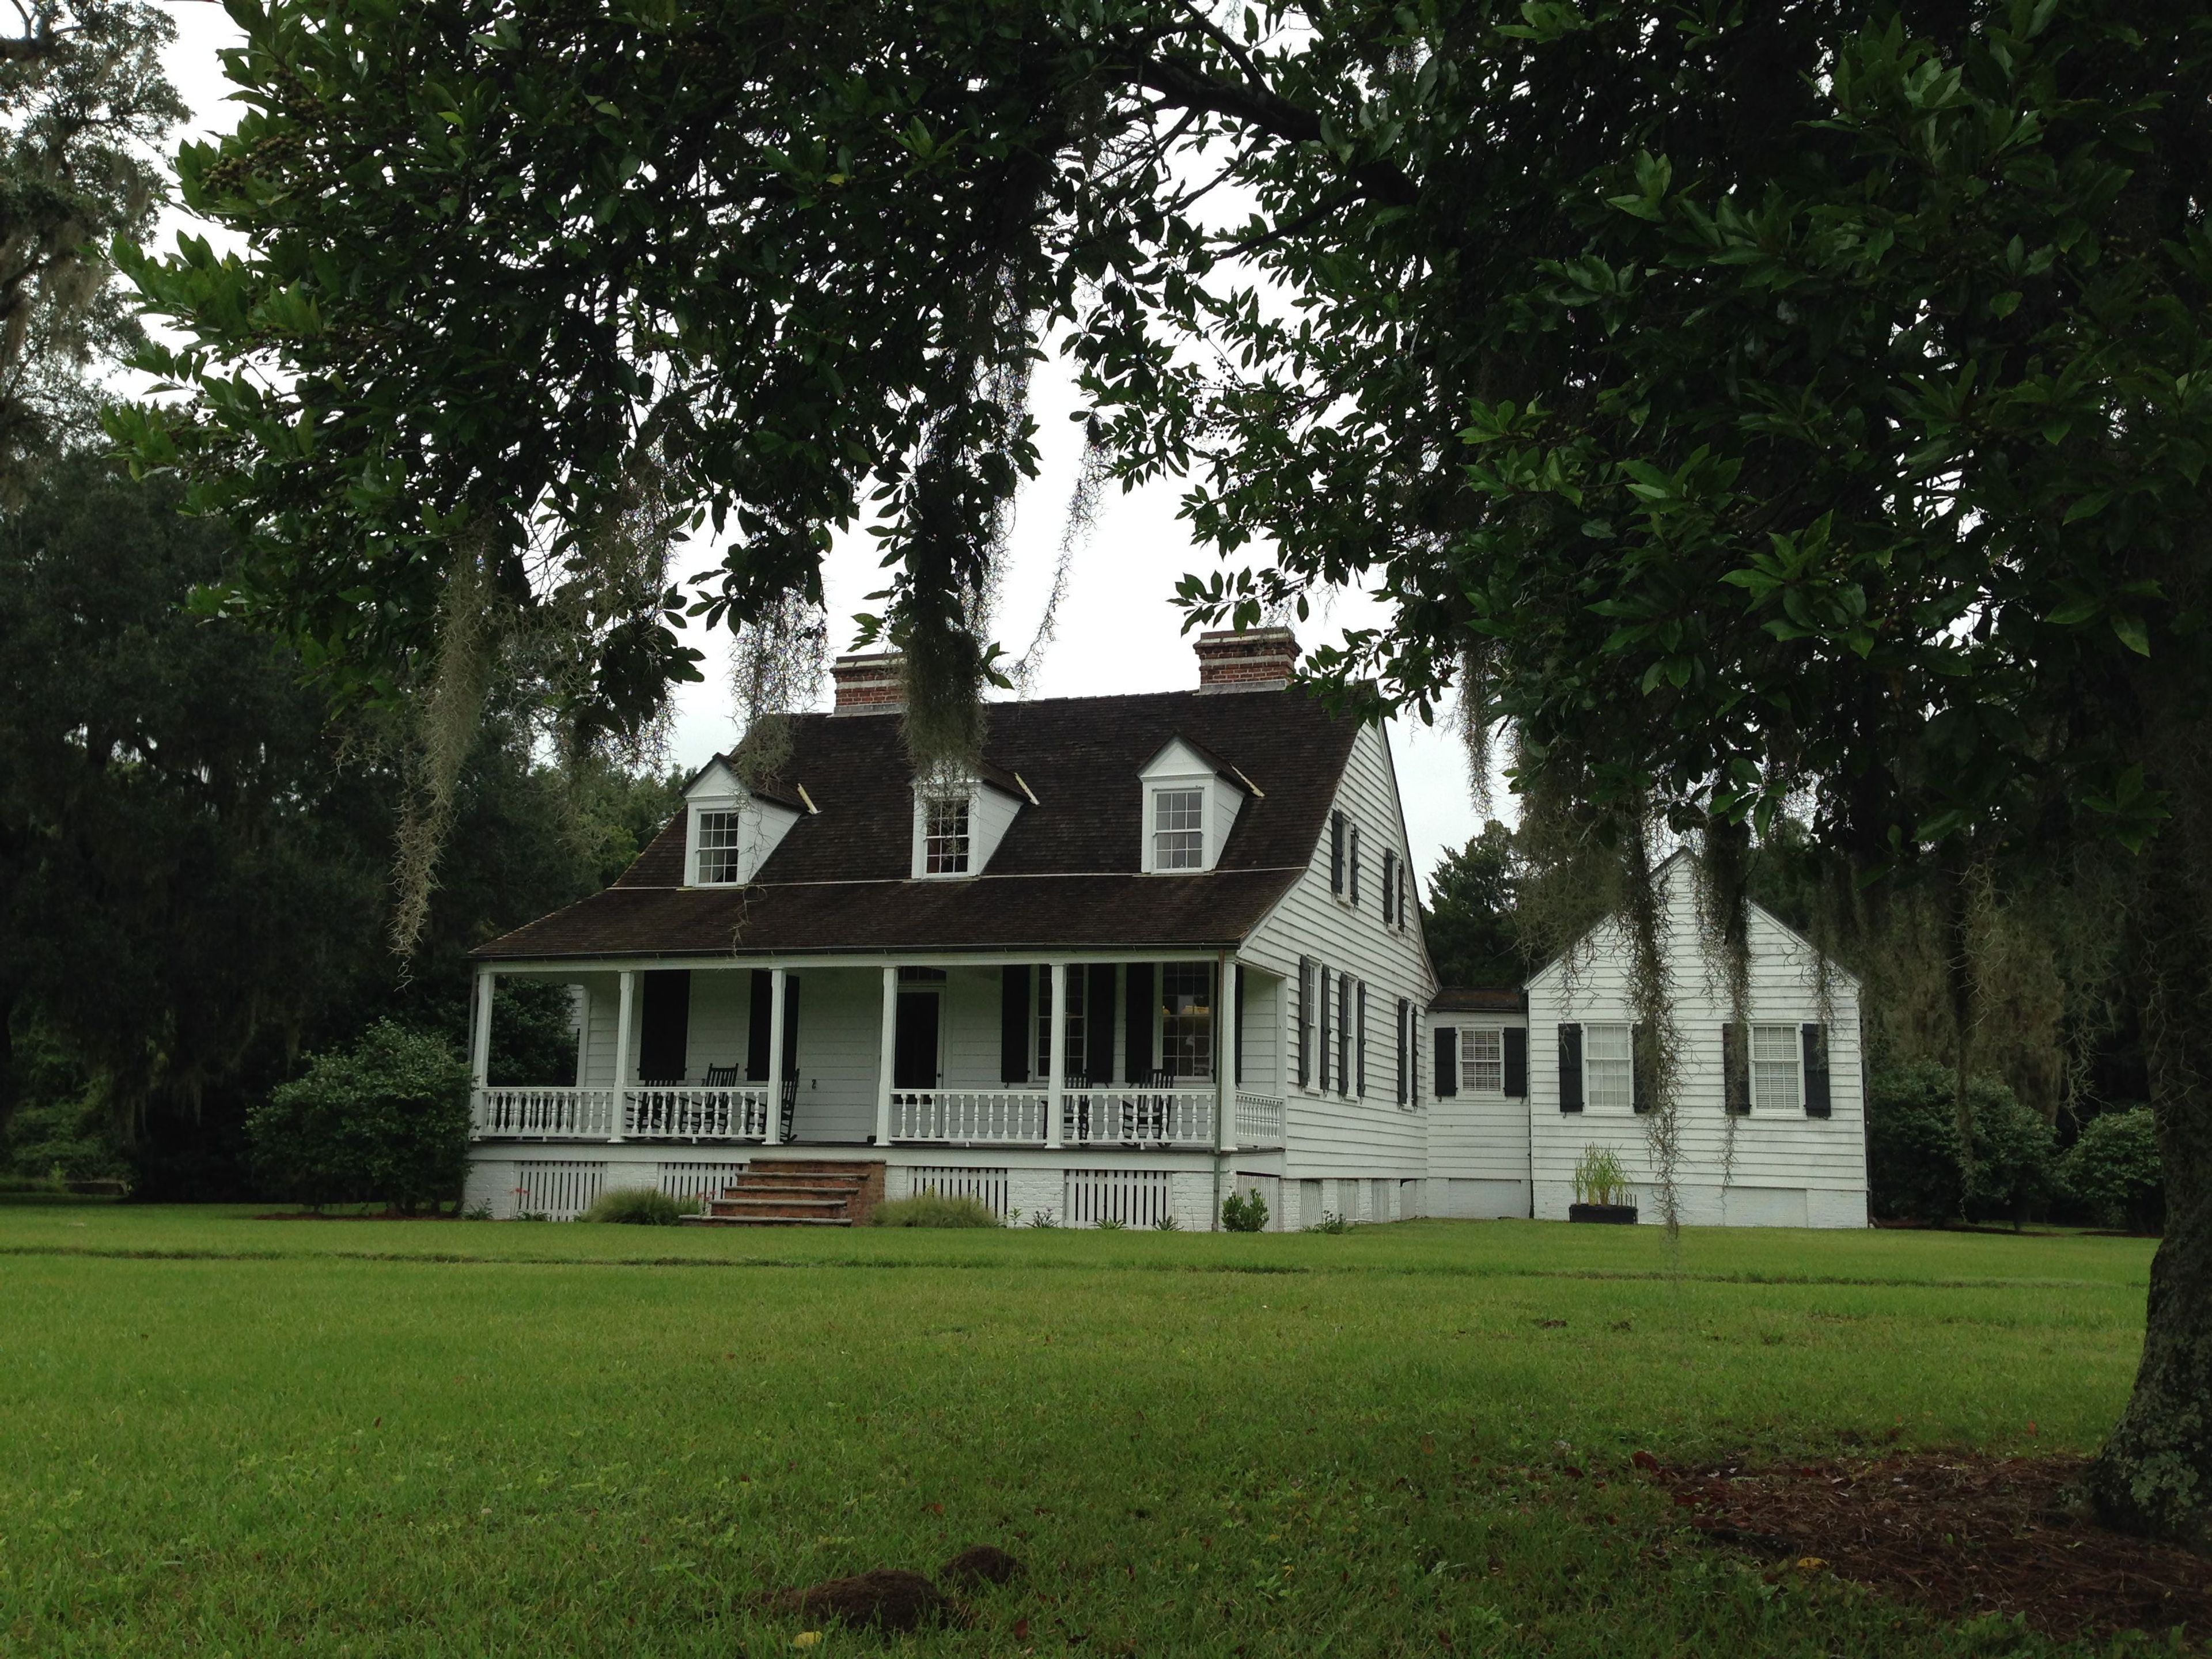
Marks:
<point>1179,829</point>
<point>718,848</point>
<point>944,836</point>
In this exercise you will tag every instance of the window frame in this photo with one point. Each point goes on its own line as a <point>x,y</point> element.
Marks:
<point>1765,1068</point>
<point>1156,798</point>
<point>1161,1016</point>
<point>1609,1102</point>
<point>929,806</point>
<point>1469,1060</point>
<point>701,812</point>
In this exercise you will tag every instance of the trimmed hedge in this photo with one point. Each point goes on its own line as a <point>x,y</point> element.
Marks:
<point>1914,1169</point>
<point>2113,1169</point>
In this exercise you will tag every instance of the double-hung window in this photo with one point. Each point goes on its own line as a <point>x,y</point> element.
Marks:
<point>1187,1019</point>
<point>1482,1060</point>
<point>944,836</point>
<point>718,847</point>
<point>1609,1068</point>
<point>1076,1027</point>
<point>1774,1061</point>
<point>1179,829</point>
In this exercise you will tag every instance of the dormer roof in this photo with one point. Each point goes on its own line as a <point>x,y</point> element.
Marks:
<point>1068,872</point>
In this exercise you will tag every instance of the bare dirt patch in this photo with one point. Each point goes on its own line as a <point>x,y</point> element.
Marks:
<point>1961,1535</point>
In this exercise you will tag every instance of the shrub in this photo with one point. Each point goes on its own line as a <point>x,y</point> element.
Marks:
<point>1914,1169</point>
<point>2114,1169</point>
<point>932,1209</point>
<point>1330,1222</point>
<point>386,1120</point>
<point>640,1206</point>
<point>1244,1213</point>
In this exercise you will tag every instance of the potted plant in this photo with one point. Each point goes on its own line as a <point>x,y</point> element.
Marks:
<point>1601,1189</point>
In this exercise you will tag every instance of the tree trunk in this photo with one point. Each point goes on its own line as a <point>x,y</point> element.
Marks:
<point>2154,1475</point>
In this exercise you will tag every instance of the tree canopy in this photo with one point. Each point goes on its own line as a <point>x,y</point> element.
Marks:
<point>1802,404</point>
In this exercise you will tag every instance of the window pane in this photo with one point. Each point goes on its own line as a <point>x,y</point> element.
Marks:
<point>1187,1019</point>
<point>1609,1080</point>
<point>717,847</point>
<point>1076,1027</point>
<point>1774,1069</point>
<point>1178,829</point>
<point>945,838</point>
<point>1482,1059</point>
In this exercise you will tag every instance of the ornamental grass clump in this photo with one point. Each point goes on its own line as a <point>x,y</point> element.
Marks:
<point>640,1206</point>
<point>1599,1178</point>
<point>934,1209</point>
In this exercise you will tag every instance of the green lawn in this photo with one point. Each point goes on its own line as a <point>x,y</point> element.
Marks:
<point>223,1435</point>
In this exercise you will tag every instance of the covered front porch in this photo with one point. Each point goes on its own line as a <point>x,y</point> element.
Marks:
<point>1180,1052</point>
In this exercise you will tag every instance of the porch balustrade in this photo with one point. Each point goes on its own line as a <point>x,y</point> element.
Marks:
<point>969,1117</point>
<point>1138,1116</point>
<point>1259,1120</point>
<point>693,1112</point>
<point>543,1114</point>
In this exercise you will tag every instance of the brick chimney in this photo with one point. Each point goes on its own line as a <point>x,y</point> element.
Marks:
<point>1258,659</point>
<point>870,684</point>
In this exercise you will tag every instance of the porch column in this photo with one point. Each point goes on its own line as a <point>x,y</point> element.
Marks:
<point>480,1035</point>
<point>625,1028</point>
<point>886,1052</point>
<point>774,1133</point>
<point>1055,1067</point>
<point>1224,1056</point>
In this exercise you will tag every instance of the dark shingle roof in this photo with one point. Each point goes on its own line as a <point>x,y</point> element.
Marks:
<point>1478,999</point>
<point>1066,874</point>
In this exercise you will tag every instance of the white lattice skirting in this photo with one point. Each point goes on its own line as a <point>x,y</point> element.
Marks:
<point>1135,1197</point>
<point>987,1187</point>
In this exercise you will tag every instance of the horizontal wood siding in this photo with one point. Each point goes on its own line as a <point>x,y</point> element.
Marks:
<point>1327,1133</point>
<point>1477,1136</point>
<point>1778,1152</point>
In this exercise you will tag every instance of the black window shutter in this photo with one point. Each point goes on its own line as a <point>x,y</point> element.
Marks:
<point>664,1026</point>
<point>1571,1068</point>
<point>1403,887</point>
<point>1516,1062</point>
<point>1353,873</point>
<point>1643,1084</point>
<point>1816,1071</point>
<point>1389,885</point>
<point>1735,1070</point>
<point>761,1010</point>
<point>1098,1024</point>
<point>1305,1020</point>
<point>1336,852</point>
<point>790,1027</point>
<point>1447,1061</point>
<point>1137,1031</point>
<point>1405,1029</point>
<point>1326,1035</point>
<point>1360,1046</point>
<point>1343,1034</point>
<point>1014,1022</point>
<point>1236,1076</point>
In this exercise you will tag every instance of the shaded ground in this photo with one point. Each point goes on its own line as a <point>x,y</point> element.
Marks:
<point>1960,1534</point>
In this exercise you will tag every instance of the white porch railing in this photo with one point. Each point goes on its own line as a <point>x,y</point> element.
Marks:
<point>543,1114</point>
<point>969,1117</point>
<point>647,1112</point>
<point>1138,1117</point>
<point>1259,1120</point>
<point>695,1112</point>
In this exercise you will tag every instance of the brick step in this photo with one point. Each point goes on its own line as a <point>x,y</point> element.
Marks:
<point>766,1220</point>
<point>796,1192</point>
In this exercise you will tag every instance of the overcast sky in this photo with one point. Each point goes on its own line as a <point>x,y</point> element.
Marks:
<point>1118,630</point>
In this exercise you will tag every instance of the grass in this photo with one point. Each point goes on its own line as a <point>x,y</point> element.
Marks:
<point>221,1435</point>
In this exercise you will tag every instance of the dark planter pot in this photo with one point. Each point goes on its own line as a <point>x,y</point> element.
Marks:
<point>1620,1215</point>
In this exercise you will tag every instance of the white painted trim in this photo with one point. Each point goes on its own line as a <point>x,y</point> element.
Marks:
<point>625,1031</point>
<point>1055,1075</point>
<point>480,1038</point>
<point>775,999</point>
<point>886,1049</point>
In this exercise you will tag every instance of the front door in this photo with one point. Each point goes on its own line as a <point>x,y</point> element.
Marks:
<point>913,1049</point>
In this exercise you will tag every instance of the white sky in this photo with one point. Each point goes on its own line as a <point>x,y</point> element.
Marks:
<point>1118,630</point>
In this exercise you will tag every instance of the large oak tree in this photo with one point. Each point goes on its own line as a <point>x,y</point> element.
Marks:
<point>1804,401</point>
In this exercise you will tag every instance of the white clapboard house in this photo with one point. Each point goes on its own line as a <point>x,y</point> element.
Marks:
<point>1157,949</point>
